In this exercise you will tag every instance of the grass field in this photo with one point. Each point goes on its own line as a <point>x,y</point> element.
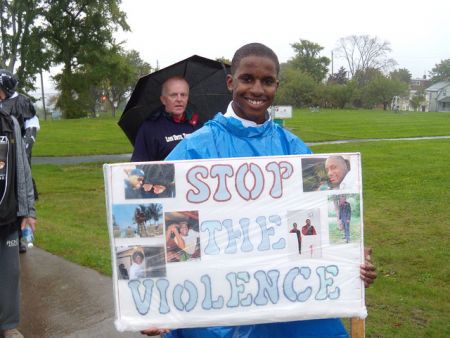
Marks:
<point>81,137</point>
<point>104,136</point>
<point>406,214</point>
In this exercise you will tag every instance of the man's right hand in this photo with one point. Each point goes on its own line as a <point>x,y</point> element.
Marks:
<point>28,221</point>
<point>154,331</point>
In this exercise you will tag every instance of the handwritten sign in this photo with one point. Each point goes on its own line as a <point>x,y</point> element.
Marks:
<point>235,241</point>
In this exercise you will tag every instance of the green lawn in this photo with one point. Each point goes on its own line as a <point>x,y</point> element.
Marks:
<point>104,136</point>
<point>406,209</point>
<point>407,222</point>
<point>81,137</point>
<point>327,125</point>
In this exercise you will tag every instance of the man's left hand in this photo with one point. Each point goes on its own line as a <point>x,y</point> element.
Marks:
<point>367,270</point>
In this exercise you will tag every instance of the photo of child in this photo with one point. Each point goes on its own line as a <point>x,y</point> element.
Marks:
<point>136,262</point>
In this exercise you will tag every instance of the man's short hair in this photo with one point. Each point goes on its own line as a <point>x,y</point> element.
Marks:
<point>342,159</point>
<point>176,77</point>
<point>254,49</point>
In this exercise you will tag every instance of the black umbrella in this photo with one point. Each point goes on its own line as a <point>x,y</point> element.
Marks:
<point>208,93</point>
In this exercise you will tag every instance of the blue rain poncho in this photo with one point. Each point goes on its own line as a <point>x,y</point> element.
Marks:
<point>225,137</point>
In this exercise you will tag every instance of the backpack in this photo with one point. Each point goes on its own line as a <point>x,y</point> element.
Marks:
<point>8,197</point>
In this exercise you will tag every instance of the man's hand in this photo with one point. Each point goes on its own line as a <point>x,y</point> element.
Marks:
<point>148,187</point>
<point>368,271</point>
<point>154,331</point>
<point>172,229</point>
<point>28,221</point>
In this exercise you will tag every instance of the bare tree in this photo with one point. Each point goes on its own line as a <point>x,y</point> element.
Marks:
<point>363,51</point>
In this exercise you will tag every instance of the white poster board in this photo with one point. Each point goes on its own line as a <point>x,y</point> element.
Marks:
<point>213,242</point>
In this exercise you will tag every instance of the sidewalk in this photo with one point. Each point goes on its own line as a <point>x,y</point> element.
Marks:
<point>61,299</point>
<point>61,160</point>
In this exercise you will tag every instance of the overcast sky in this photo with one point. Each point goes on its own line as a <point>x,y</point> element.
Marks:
<point>164,32</point>
<point>169,31</point>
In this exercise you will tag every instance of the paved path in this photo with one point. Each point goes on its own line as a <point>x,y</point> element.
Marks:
<point>126,157</point>
<point>61,299</point>
<point>381,139</point>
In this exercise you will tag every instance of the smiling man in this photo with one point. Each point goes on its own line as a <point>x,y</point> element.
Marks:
<point>337,168</point>
<point>245,130</point>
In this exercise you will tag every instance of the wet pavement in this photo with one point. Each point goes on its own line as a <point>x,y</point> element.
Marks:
<point>61,299</point>
<point>127,157</point>
<point>357,140</point>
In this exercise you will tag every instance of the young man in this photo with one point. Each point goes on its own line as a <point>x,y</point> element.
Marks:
<point>308,229</point>
<point>345,215</point>
<point>337,168</point>
<point>157,137</point>
<point>247,130</point>
<point>16,211</point>
<point>295,230</point>
<point>21,107</point>
<point>134,183</point>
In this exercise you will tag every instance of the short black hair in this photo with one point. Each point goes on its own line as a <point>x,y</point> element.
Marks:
<point>161,174</point>
<point>254,49</point>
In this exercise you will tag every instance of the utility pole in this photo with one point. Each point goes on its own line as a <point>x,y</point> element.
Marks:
<point>43,96</point>
<point>332,63</point>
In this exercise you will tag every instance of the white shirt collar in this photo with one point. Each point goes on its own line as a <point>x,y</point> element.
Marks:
<point>246,123</point>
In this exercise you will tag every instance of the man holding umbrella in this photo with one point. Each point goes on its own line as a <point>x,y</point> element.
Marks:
<point>158,136</point>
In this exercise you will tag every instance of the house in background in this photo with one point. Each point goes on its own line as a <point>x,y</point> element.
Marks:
<point>438,96</point>
<point>416,86</point>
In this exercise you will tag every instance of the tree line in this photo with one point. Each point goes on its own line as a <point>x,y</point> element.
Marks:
<point>370,79</point>
<point>78,36</point>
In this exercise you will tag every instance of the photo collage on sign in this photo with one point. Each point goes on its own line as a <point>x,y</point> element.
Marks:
<point>146,236</point>
<point>333,178</point>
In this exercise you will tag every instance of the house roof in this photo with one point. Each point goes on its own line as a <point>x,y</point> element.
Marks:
<point>438,86</point>
<point>443,98</point>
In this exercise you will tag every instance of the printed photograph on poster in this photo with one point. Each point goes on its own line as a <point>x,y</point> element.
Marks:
<point>182,236</point>
<point>150,181</point>
<point>137,220</point>
<point>344,218</point>
<point>331,173</point>
<point>304,231</point>
<point>134,262</point>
